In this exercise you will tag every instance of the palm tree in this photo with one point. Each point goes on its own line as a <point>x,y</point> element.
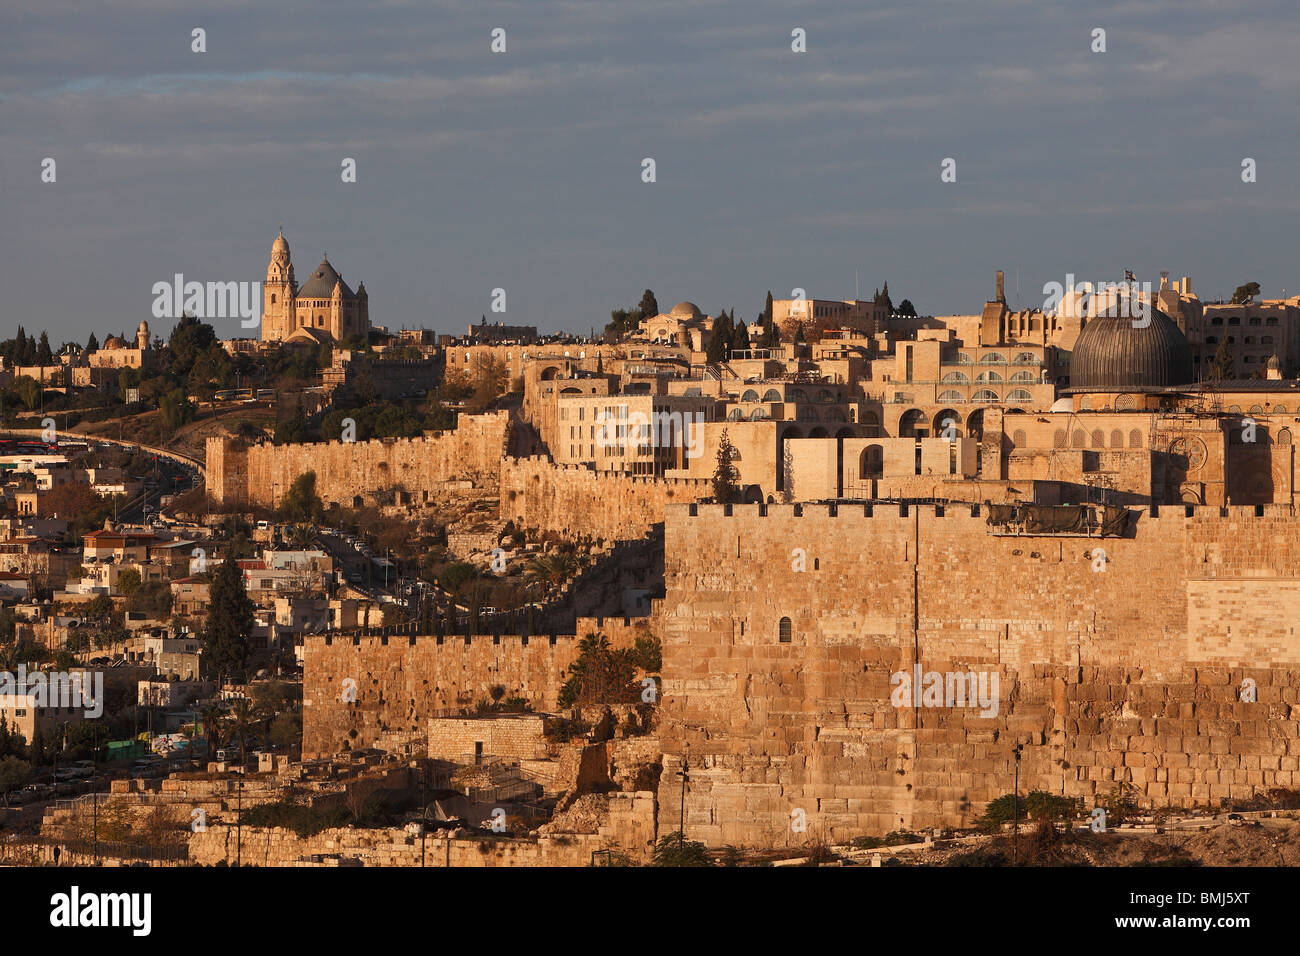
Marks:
<point>302,536</point>
<point>551,570</point>
<point>212,717</point>
<point>243,723</point>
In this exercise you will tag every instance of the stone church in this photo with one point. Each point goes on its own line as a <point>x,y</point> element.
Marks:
<point>323,308</point>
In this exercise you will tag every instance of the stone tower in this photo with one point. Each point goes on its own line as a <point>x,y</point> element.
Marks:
<point>142,336</point>
<point>278,293</point>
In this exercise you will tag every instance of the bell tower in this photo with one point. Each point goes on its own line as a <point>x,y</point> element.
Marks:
<point>278,292</point>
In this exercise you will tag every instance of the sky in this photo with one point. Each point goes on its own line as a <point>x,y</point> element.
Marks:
<point>523,170</point>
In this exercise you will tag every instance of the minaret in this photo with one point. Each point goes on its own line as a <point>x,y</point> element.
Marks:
<point>278,292</point>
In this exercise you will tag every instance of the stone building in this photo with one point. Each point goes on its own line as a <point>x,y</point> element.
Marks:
<point>324,304</point>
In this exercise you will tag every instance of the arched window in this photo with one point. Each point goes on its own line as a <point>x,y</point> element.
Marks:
<point>955,378</point>
<point>1024,376</point>
<point>1135,439</point>
<point>1284,437</point>
<point>990,377</point>
<point>871,463</point>
<point>759,414</point>
<point>963,358</point>
<point>771,395</point>
<point>1256,410</point>
<point>984,395</point>
<point>1098,438</point>
<point>1078,440</point>
<point>786,628</point>
<point>1116,439</point>
<point>993,358</point>
<point>797,395</point>
<point>1026,358</point>
<point>951,396</point>
<point>1018,438</point>
<point>1019,395</point>
<point>735,415</point>
<point>749,396</point>
<point>1058,438</point>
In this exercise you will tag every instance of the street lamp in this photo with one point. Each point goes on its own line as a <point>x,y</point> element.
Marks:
<point>1015,811</point>
<point>681,824</point>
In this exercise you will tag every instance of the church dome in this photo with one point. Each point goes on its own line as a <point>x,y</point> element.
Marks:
<point>114,342</point>
<point>686,310</point>
<point>1113,352</point>
<point>322,282</point>
<point>281,245</point>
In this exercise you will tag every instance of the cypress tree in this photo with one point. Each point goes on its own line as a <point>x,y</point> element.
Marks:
<point>230,622</point>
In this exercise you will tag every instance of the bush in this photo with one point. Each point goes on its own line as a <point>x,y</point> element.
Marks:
<point>672,850</point>
<point>1004,809</point>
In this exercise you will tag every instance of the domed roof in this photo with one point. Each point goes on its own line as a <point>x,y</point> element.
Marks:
<point>281,244</point>
<point>114,342</point>
<point>321,283</point>
<point>686,309</point>
<point>1118,351</point>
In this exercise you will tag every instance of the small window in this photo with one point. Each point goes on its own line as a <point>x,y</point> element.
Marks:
<point>787,630</point>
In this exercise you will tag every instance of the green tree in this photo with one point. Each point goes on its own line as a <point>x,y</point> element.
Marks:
<point>28,391</point>
<point>648,307</point>
<point>230,622</point>
<point>720,336</point>
<point>15,773</point>
<point>725,475</point>
<point>906,308</point>
<point>128,582</point>
<point>92,343</point>
<point>44,355</point>
<point>300,503</point>
<point>176,409</point>
<point>1221,363</point>
<point>673,850</point>
<point>739,336</point>
<point>600,675</point>
<point>188,340</point>
<point>1244,293</point>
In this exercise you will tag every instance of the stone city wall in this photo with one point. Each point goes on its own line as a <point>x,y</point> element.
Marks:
<point>573,500</point>
<point>401,682</point>
<point>1133,674</point>
<point>346,470</point>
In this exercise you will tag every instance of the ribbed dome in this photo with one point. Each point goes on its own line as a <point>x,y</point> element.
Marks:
<point>1111,352</point>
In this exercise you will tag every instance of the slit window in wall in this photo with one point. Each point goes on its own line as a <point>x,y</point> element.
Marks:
<point>786,630</point>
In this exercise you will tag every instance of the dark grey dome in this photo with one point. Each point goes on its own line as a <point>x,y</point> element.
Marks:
<point>1112,352</point>
<point>321,283</point>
